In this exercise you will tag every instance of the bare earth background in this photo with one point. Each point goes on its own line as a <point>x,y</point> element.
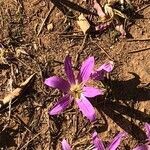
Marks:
<point>28,125</point>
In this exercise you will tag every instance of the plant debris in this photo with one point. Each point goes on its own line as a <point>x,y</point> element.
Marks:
<point>17,92</point>
<point>50,27</point>
<point>83,23</point>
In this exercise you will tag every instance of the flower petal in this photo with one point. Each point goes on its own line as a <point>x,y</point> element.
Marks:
<point>116,141</point>
<point>65,145</point>
<point>68,70</point>
<point>147,128</point>
<point>142,147</point>
<point>97,142</point>
<point>108,67</point>
<point>86,70</point>
<point>102,70</point>
<point>120,29</point>
<point>99,10</point>
<point>92,92</point>
<point>102,27</point>
<point>58,83</point>
<point>61,105</point>
<point>86,108</point>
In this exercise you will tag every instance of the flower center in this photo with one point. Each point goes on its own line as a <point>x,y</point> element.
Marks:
<point>76,90</point>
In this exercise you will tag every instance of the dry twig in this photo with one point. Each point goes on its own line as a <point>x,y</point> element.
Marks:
<point>143,8</point>
<point>81,50</point>
<point>140,50</point>
<point>25,145</point>
<point>132,40</point>
<point>45,19</point>
<point>103,51</point>
<point>71,36</point>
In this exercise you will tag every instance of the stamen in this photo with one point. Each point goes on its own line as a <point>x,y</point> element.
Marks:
<point>76,90</point>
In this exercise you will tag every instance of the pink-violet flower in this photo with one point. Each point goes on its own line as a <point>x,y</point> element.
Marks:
<point>98,144</point>
<point>75,89</point>
<point>147,145</point>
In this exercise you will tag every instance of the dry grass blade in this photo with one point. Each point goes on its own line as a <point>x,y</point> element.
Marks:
<point>103,50</point>
<point>17,92</point>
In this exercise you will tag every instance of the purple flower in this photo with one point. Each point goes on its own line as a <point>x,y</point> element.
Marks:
<point>102,27</point>
<point>147,145</point>
<point>99,73</point>
<point>75,89</point>
<point>97,142</point>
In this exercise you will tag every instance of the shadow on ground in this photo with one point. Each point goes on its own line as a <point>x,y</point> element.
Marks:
<point>117,108</point>
<point>7,138</point>
<point>129,90</point>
